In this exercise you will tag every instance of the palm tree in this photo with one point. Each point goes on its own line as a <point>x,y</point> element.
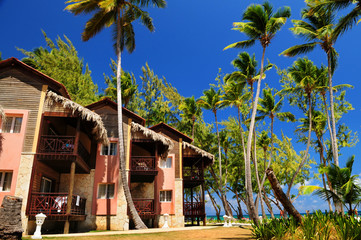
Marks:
<point>235,95</point>
<point>347,187</point>
<point>211,100</point>
<point>120,14</point>
<point>190,110</point>
<point>319,30</point>
<point>346,22</point>
<point>305,75</point>
<point>268,107</point>
<point>262,24</point>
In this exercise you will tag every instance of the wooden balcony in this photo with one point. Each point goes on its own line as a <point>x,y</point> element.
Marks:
<point>145,207</point>
<point>56,150</point>
<point>54,205</point>
<point>192,177</point>
<point>192,210</point>
<point>143,169</point>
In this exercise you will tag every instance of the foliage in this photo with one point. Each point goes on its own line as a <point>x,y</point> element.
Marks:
<point>320,226</point>
<point>347,189</point>
<point>129,86</point>
<point>60,61</point>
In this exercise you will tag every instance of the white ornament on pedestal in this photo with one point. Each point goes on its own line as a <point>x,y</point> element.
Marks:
<point>225,217</point>
<point>40,218</point>
<point>165,221</point>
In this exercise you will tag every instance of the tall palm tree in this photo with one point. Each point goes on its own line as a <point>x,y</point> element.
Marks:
<point>190,110</point>
<point>268,107</point>
<point>319,30</point>
<point>261,24</point>
<point>211,100</point>
<point>305,75</point>
<point>120,15</point>
<point>235,95</point>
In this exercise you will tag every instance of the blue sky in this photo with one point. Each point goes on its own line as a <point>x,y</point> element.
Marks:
<point>186,48</point>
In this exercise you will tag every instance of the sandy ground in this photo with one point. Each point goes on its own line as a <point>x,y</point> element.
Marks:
<point>239,233</point>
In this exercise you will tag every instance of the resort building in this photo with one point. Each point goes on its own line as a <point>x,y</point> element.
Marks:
<point>62,159</point>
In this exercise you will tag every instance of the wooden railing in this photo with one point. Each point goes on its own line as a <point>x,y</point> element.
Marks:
<point>61,145</point>
<point>52,204</point>
<point>144,206</point>
<point>192,174</point>
<point>143,163</point>
<point>193,209</point>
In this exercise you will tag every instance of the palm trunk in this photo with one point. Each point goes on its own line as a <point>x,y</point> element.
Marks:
<point>193,122</point>
<point>241,131</point>
<point>219,152</point>
<point>328,120</point>
<point>257,178</point>
<point>322,161</point>
<point>249,192</point>
<point>307,147</point>
<point>281,196</point>
<point>269,206</point>
<point>215,206</point>
<point>133,211</point>
<point>332,108</point>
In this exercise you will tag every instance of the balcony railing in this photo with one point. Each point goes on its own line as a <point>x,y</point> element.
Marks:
<point>193,209</point>
<point>55,204</point>
<point>143,164</point>
<point>144,206</point>
<point>61,145</point>
<point>192,174</point>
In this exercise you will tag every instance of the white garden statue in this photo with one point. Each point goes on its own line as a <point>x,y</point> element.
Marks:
<point>166,221</point>
<point>40,218</point>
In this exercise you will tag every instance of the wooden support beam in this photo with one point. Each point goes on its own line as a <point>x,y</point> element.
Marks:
<point>70,197</point>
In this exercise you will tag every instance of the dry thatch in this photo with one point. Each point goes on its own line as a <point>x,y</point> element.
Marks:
<point>2,113</point>
<point>199,151</point>
<point>153,135</point>
<point>99,129</point>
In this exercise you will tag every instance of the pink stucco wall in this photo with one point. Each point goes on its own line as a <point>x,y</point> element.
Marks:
<point>106,171</point>
<point>166,181</point>
<point>12,148</point>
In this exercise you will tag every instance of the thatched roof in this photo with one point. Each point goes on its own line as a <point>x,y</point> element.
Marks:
<point>153,135</point>
<point>199,151</point>
<point>99,129</point>
<point>2,113</point>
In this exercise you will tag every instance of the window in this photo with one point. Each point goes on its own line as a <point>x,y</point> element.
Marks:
<point>11,125</point>
<point>5,181</point>
<point>106,191</point>
<point>167,163</point>
<point>46,185</point>
<point>111,149</point>
<point>166,196</point>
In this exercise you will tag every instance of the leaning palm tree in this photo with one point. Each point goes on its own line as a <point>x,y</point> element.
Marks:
<point>319,30</point>
<point>120,15</point>
<point>190,110</point>
<point>261,24</point>
<point>211,100</point>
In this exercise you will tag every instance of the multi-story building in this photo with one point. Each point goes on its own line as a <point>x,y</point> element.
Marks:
<point>54,150</point>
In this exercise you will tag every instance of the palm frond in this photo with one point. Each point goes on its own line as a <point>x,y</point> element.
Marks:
<point>299,49</point>
<point>241,44</point>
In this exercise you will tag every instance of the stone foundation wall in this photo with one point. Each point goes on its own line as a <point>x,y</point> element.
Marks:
<point>23,185</point>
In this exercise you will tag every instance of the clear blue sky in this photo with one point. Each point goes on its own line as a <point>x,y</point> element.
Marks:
<point>186,49</point>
